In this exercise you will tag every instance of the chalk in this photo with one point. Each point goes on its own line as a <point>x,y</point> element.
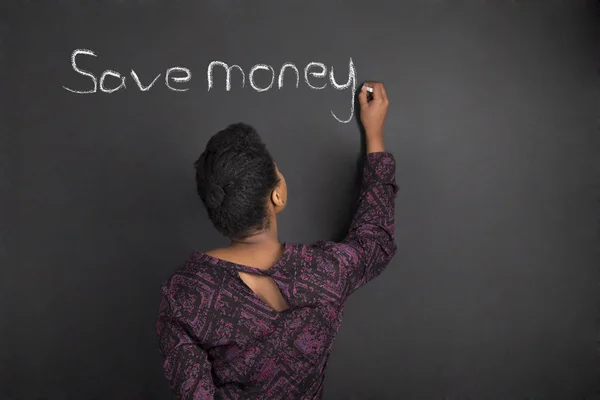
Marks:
<point>369,89</point>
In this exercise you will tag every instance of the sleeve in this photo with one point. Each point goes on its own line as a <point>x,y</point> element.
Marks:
<point>185,363</point>
<point>370,243</point>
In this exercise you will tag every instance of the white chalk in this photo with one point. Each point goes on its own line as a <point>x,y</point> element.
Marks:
<point>369,89</point>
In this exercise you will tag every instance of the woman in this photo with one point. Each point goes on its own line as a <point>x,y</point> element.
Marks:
<point>257,319</point>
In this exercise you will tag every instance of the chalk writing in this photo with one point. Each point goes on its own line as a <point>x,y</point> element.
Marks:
<point>313,72</point>
<point>263,67</point>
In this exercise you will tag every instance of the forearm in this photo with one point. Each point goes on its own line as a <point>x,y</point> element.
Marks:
<point>375,214</point>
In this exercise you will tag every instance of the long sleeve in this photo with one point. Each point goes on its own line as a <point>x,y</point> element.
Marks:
<point>185,363</point>
<point>370,243</point>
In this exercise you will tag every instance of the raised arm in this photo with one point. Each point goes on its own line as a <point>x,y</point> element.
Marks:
<point>370,243</point>
<point>185,363</point>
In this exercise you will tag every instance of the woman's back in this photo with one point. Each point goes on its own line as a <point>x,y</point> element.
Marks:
<point>263,286</point>
<point>261,324</point>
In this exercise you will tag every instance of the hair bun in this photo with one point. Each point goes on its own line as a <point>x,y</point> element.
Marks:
<point>216,194</point>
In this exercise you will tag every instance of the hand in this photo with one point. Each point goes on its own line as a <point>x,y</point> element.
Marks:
<point>373,113</point>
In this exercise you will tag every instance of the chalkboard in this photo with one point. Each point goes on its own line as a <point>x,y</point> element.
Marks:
<point>493,122</point>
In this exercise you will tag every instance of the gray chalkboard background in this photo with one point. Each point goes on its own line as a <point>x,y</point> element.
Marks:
<point>494,125</point>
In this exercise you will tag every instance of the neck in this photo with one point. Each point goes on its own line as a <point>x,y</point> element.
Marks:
<point>263,239</point>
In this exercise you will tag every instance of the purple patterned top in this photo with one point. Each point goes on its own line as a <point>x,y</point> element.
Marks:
<point>219,340</point>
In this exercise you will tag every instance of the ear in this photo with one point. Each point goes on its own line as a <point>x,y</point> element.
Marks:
<point>276,198</point>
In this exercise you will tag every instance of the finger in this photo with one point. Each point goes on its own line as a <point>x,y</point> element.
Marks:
<point>366,86</point>
<point>362,97</point>
<point>377,95</point>
<point>384,93</point>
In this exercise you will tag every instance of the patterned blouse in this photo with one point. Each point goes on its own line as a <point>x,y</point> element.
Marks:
<point>219,340</point>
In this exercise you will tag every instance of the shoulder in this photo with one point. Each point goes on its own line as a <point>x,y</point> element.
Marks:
<point>338,252</point>
<point>193,276</point>
<point>216,252</point>
<point>327,254</point>
<point>324,269</point>
<point>188,294</point>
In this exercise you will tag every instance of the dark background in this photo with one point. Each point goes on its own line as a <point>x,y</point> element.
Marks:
<point>494,123</point>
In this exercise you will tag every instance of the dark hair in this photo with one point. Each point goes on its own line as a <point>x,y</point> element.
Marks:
<point>234,176</point>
